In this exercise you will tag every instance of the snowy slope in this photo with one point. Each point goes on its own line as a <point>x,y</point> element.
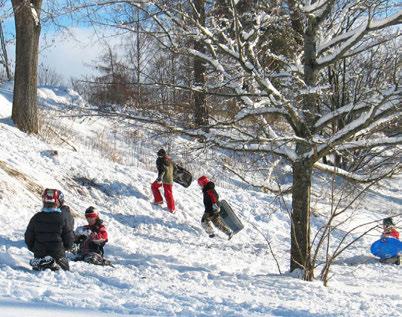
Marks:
<point>164,264</point>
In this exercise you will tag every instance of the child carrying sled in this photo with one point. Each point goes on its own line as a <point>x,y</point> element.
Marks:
<point>91,239</point>
<point>211,213</point>
<point>165,167</point>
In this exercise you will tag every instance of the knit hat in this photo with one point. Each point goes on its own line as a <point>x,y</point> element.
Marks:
<point>91,212</point>
<point>203,180</point>
<point>388,222</point>
<point>161,153</point>
<point>51,197</point>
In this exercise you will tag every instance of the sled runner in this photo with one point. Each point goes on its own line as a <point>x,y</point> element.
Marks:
<point>229,217</point>
<point>386,248</point>
<point>182,176</point>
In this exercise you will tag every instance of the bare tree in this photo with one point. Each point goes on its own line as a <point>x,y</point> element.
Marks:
<point>112,84</point>
<point>48,76</point>
<point>4,53</point>
<point>28,27</point>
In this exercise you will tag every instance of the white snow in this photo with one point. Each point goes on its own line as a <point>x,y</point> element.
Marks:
<point>35,15</point>
<point>165,265</point>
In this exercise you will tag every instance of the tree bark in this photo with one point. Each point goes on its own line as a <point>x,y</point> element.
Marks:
<point>300,220</point>
<point>302,169</point>
<point>27,25</point>
<point>200,102</point>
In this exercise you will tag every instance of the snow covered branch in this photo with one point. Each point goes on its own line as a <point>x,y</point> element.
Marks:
<point>377,112</point>
<point>275,189</point>
<point>371,143</point>
<point>347,40</point>
<point>361,178</point>
<point>390,102</point>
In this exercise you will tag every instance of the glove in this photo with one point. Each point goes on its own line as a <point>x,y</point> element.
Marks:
<point>216,208</point>
<point>82,231</point>
<point>75,248</point>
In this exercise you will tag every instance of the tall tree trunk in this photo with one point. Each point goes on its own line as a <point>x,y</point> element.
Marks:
<point>138,58</point>
<point>302,168</point>
<point>300,220</point>
<point>27,25</point>
<point>200,102</point>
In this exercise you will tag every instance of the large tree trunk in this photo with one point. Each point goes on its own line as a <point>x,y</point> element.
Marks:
<point>27,25</point>
<point>200,102</point>
<point>302,169</point>
<point>300,222</point>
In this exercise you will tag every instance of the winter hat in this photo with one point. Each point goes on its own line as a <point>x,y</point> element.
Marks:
<point>51,196</point>
<point>91,212</point>
<point>203,180</point>
<point>161,153</point>
<point>388,222</point>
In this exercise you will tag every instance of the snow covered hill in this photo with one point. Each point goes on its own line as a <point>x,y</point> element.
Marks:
<point>165,265</point>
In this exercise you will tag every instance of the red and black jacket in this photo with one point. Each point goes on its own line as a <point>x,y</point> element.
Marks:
<point>390,233</point>
<point>97,240</point>
<point>210,196</point>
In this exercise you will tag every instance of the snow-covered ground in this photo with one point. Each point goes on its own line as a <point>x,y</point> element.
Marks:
<point>164,264</point>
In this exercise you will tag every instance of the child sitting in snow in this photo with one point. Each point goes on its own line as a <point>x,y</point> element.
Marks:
<point>90,239</point>
<point>389,231</point>
<point>48,235</point>
<point>212,209</point>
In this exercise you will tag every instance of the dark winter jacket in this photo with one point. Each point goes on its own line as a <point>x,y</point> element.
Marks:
<point>96,241</point>
<point>48,234</point>
<point>165,167</point>
<point>67,216</point>
<point>210,196</point>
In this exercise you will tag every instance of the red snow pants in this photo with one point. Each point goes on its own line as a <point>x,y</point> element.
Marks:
<point>167,188</point>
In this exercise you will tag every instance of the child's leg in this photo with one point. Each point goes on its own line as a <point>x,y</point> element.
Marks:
<point>63,262</point>
<point>217,221</point>
<point>206,224</point>
<point>168,190</point>
<point>155,191</point>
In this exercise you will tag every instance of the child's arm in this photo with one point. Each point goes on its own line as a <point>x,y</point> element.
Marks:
<point>212,196</point>
<point>214,199</point>
<point>101,236</point>
<point>161,167</point>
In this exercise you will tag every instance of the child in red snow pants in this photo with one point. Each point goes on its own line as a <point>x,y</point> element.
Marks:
<point>167,188</point>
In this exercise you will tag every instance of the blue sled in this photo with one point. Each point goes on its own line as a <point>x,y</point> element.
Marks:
<point>386,248</point>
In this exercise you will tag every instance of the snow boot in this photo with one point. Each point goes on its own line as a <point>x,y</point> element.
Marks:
<point>394,260</point>
<point>41,264</point>
<point>95,258</point>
